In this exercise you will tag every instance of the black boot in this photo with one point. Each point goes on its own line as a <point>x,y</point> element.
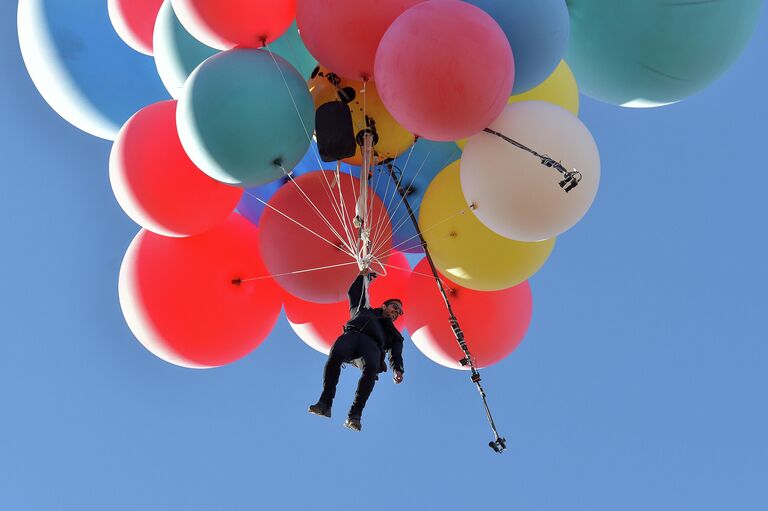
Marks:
<point>353,423</point>
<point>321,408</point>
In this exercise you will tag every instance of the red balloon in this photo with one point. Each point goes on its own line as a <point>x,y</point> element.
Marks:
<point>494,323</point>
<point>134,22</point>
<point>297,239</point>
<point>224,24</point>
<point>180,301</point>
<point>392,285</point>
<point>319,324</point>
<point>444,69</point>
<point>343,34</point>
<point>157,184</point>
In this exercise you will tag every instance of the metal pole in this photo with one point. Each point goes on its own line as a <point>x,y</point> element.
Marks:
<point>498,444</point>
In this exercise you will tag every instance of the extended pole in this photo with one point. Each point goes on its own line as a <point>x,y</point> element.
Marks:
<point>498,444</point>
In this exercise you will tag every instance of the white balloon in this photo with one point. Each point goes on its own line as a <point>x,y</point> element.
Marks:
<point>515,195</point>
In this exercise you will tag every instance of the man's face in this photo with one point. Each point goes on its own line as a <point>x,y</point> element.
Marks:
<point>393,310</point>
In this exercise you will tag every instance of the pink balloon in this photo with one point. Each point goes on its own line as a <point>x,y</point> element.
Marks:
<point>157,184</point>
<point>180,301</point>
<point>319,324</point>
<point>343,34</point>
<point>134,22</point>
<point>444,69</point>
<point>224,24</point>
<point>494,322</point>
<point>297,239</point>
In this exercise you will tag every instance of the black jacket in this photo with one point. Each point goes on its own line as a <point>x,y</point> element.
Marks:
<point>375,325</point>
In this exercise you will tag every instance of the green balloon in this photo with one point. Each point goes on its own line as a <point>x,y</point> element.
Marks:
<point>177,53</point>
<point>644,53</point>
<point>291,48</point>
<point>244,115</point>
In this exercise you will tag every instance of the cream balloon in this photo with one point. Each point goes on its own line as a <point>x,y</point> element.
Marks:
<point>464,249</point>
<point>514,194</point>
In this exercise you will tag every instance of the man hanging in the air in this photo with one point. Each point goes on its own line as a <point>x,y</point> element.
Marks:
<point>367,335</point>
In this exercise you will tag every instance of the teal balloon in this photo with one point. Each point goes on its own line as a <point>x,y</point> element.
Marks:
<point>291,48</point>
<point>176,52</point>
<point>244,115</point>
<point>645,53</point>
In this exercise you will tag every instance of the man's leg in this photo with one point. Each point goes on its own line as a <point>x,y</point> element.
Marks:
<point>371,355</point>
<point>341,351</point>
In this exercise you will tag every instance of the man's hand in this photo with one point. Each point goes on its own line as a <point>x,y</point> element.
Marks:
<point>398,377</point>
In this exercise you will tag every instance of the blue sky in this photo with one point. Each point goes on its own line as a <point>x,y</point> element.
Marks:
<point>640,385</point>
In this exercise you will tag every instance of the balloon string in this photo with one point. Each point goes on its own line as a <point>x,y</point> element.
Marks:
<point>348,242</point>
<point>331,266</point>
<point>311,203</point>
<point>389,201</point>
<point>299,224</point>
<point>403,221</point>
<point>421,274</point>
<point>293,100</point>
<point>433,226</point>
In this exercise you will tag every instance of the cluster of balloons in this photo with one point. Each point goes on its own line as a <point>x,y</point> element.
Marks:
<point>211,106</point>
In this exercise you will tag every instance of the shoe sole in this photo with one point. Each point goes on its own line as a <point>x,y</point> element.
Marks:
<point>353,428</point>
<point>319,414</point>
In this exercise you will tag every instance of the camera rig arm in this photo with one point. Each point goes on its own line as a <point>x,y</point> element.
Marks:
<point>498,444</point>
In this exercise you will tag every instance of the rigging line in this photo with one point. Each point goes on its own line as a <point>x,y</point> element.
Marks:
<point>299,224</point>
<point>397,185</point>
<point>405,218</point>
<point>368,160</point>
<point>338,207</point>
<point>433,226</point>
<point>319,213</point>
<point>498,444</point>
<point>399,182</point>
<point>306,132</point>
<point>382,215</point>
<point>344,214</point>
<point>296,272</point>
<point>293,100</point>
<point>420,274</point>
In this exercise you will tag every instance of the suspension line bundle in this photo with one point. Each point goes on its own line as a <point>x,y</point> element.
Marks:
<point>363,248</point>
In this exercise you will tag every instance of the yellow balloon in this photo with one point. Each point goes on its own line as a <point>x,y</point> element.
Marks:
<point>465,250</point>
<point>389,138</point>
<point>559,89</point>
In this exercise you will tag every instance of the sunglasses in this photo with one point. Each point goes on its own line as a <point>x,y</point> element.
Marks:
<point>397,309</point>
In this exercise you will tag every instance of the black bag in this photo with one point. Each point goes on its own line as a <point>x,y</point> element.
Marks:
<point>334,131</point>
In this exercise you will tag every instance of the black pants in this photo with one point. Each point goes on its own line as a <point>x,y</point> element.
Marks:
<point>367,355</point>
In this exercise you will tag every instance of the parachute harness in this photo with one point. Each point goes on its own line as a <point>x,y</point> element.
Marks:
<point>498,444</point>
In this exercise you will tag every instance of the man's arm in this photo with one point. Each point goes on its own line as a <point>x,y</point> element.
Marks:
<point>356,293</point>
<point>396,361</point>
